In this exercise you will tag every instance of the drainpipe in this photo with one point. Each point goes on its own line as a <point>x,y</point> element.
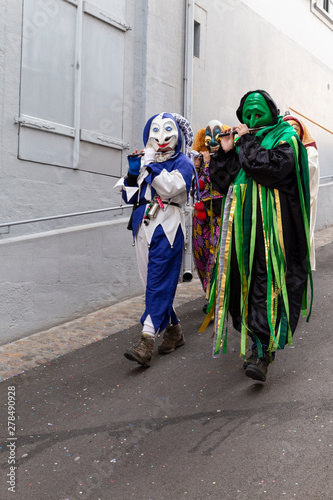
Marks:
<point>188,69</point>
<point>143,65</point>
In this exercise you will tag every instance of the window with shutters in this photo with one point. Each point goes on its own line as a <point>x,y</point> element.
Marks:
<point>196,42</point>
<point>323,9</point>
<point>71,102</point>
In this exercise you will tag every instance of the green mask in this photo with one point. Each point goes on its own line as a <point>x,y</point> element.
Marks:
<point>256,112</point>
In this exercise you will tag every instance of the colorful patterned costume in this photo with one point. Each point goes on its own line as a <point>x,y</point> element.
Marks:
<point>206,213</point>
<point>206,231</point>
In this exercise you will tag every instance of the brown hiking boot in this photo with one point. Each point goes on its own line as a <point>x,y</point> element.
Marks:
<point>173,337</point>
<point>257,369</point>
<point>253,355</point>
<point>142,352</point>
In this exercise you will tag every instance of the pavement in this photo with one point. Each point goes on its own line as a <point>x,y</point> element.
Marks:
<point>40,348</point>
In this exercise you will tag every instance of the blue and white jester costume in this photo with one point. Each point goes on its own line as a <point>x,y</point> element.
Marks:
<point>161,178</point>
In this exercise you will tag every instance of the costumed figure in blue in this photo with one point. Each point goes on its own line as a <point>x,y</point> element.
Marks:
<point>158,184</point>
<point>263,265</point>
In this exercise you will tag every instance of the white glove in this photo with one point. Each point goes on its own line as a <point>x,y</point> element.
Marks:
<point>149,156</point>
<point>194,154</point>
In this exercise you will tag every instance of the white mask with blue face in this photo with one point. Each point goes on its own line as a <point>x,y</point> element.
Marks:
<point>163,138</point>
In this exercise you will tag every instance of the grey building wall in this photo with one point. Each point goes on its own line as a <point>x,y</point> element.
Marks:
<point>50,277</point>
<point>165,57</point>
<point>56,270</point>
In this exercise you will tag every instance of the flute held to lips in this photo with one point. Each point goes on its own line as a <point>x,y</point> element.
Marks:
<point>201,156</point>
<point>135,155</point>
<point>234,132</point>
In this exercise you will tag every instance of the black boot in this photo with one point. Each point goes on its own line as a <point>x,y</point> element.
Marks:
<point>257,368</point>
<point>251,358</point>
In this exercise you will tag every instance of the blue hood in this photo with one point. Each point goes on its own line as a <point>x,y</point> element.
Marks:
<point>147,129</point>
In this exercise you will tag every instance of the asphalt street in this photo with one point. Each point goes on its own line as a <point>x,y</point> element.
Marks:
<point>91,425</point>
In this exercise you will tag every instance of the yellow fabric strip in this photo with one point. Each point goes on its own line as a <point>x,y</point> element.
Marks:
<point>219,320</point>
<point>263,217</point>
<point>279,220</point>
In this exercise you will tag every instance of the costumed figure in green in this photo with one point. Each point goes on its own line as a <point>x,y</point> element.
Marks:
<point>263,267</point>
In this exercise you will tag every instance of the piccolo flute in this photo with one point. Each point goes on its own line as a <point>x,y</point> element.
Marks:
<point>234,132</point>
<point>201,156</point>
<point>135,155</point>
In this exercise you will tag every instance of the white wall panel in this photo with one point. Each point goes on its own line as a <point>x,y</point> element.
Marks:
<point>73,76</point>
<point>48,61</point>
<point>102,77</point>
<point>44,147</point>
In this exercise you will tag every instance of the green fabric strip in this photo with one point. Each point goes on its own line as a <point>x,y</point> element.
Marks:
<point>271,258</point>
<point>253,193</point>
<point>224,312</point>
<point>305,207</point>
<point>247,217</point>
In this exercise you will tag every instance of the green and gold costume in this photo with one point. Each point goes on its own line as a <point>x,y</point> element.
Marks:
<point>262,267</point>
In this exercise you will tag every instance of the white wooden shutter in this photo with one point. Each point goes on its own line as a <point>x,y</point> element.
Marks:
<point>71,106</point>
